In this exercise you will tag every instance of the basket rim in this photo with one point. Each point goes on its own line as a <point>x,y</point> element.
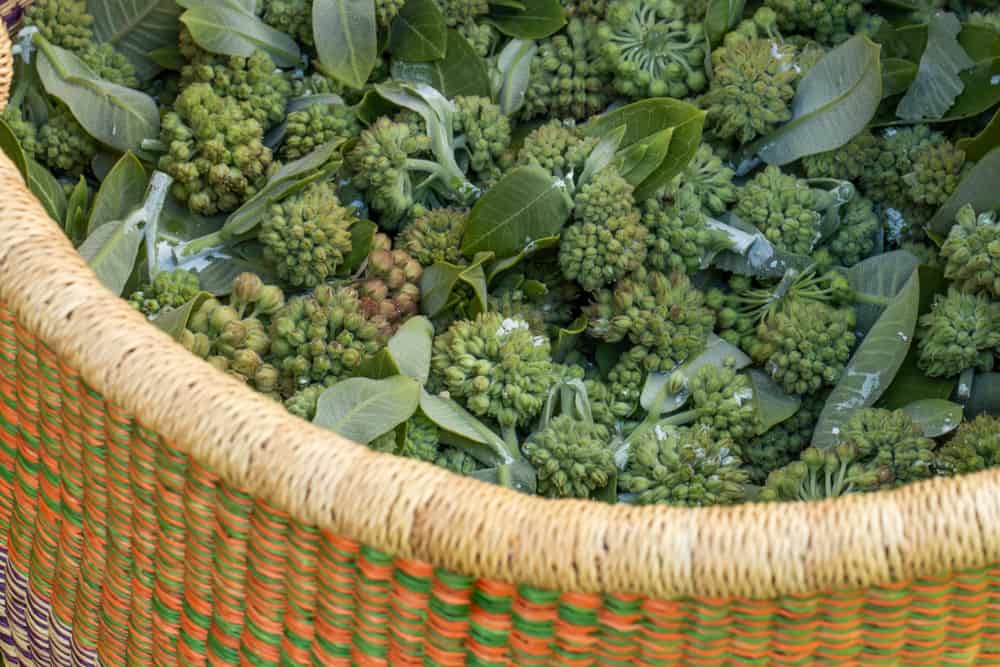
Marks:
<point>417,511</point>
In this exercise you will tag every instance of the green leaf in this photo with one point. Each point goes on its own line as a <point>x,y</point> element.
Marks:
<point>381,365</point>
<point>410,346</point>
<point>567,340</point>
<point>937,83</point>
<point>934,417</point>
<point>440,281</point>
<point>835,101</point>
<point>646,118</point>
<point>638,162</point>
<point>112,250</point>
<point>522,476</point>
<point>136,28</point>
<point>121,191</point>
<point>77,208</point>
<point>978,188</point>
<point>977,147</point>
<point>361,409</point>
<point>462,71</point>
<point>880,276</point>
<point>175,320</point>
<point>459,428</point>
<point>721,16</point>
<point>773,405</point>
<point>227,31</point>
<point>12,148</point>
<point>526,205</point>
<point>538,19</point>
<point>168,58</point>
<point>503,265</point>
<point>217,278</point>
<point>418,33</point>
<point>114,115</point>
<point>514,64</point>
<point>346,39</point>
<point>874,364</point>
<point>362,238</point>
<point>603,154</point>
<point>47,189</point>
<point>897,75</point>
<point>984,398</point>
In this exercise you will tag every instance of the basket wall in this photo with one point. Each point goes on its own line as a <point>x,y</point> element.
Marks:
<point>120,549</point>
<point>155,512</point>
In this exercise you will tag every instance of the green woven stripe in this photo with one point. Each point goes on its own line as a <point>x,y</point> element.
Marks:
<point>199,523</point>
<point>408,620</point>
<point>370,631</point>
<point>232,515</point>
<point>168,591</point>
<point>266,595</point>
<point>618,630</point>
<point>335,600</point>
<point>142,473</point>
<point>301,586</point>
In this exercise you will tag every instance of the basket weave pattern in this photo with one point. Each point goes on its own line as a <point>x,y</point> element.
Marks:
<point>156,512</point>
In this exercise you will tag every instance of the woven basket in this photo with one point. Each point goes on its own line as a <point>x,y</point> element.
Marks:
<point>155,512</point>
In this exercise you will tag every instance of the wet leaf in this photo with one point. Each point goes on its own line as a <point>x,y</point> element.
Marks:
<point>439,283</point>
<point>522,476</point>
<point>361,409</point>
<point>114,115</point>
<point>880,276</point>
<point>175,320</point>
<point>346,37</point>
<point>47,189</point>
<point>984,398</point>
<point>715,354</point>
<point>136,28</point>
<point>978,187</point>
<point>226,30</point>
<point>535,20</point>
<point>217,278</point>
<point>937,83</point>
<point>977,147</point>
<point>526,205</point>
<point>934,417</point>
<point>112,250</point>
<point>410,346</point>
<point>835,101</point>
<point>897,75</point>
<point>121,191</point>
<point>643,120</point>
<point>461,429</point>
<point>514,63</point>
<point>874,364</point>
<point>418,33</point>
<point>773,405</point>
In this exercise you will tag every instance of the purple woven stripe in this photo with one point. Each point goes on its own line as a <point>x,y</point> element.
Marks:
<point>6,640</point>
<point>62,640</point>
<point>13,17</point>
<point>16,593</point>
<point>38,627</point>
<point>83,657</point>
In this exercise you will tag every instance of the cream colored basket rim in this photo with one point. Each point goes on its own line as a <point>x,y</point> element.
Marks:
<point>417,511</point>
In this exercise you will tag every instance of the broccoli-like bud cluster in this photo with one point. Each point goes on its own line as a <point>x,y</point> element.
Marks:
<point>307,129</point>
<point>169,289</point>
<point>782,443</point>
<point>65,23</point>
<point>215,153</point>
<point>63,144</point>
<point>820,474</point>
<point>24,130</point>
<point>832,21</point>
<point>783,208</point>
<point>417,438</point>
<point>665,314</point>
<point>971,252</point>
<point>306,236</point>
<point>379,164</point>
<point>303,402</point>
<point>235,345</point>
<point>961,331</point>
<point>723,402</point>
<point>435,236</point>
<point>601,407</point>
<point>458,12</point>
<point>975,446</point>
<point>684,467</point>
<point>586,9</point>
<point>854,239</point>
<point>484,133</point>
<point>497,367</point>
<point>261,89</point>
<point>386,11</point>
<point>936,173</point>
<point>889,443</point>
<point>679,235</point>
<point>627,377</point>
<point>390,289</point>
<point>607,240</point>
<point>568,79</point>
<point>292,17</point>
<point>806,344</point>
<point>572,458</point>
<point>110,64</point>
<point>751,90</point>
<point>850,162</point>
<point>556,148</point>
<point>653,49</point>
<point>323,338</point>
<point>709,179</point>
<point>456,461</point>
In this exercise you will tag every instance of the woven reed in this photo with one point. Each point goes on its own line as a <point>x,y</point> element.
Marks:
<point>417,511</point>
